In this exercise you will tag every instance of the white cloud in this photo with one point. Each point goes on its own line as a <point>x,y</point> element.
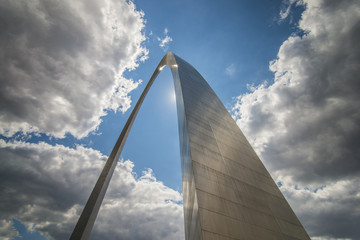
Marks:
<point>230,70</point>
<point>306,125</point>
<point>61,63</point>
<point>47,186</point>
<point>286,9</point>
<point>335,205</point>
<point>164,43</point>
<point>6,229</point>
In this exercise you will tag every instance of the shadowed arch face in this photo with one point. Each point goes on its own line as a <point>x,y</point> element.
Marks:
<point>227,192</point>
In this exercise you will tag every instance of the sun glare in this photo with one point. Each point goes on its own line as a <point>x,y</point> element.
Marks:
<point>172,96</point>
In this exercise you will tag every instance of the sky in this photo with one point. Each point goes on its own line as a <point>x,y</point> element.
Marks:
<point>71,72</point>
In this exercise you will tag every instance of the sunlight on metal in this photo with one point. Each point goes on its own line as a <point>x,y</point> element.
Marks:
<point>88,216</point>
<point>227,191</point>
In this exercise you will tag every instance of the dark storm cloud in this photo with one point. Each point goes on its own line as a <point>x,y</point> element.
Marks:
<point>306,125</point>
<point>61,63</point>
<point>48,185</point>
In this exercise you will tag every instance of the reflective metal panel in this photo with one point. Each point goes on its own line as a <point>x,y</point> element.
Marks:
<point>226,188</point>
<point>227,192</point>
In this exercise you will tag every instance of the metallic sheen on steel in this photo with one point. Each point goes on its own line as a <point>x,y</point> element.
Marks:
<point>227,192</point>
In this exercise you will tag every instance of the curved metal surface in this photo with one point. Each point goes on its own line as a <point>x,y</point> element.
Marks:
<point>88,216</point>
<point>227,191</point>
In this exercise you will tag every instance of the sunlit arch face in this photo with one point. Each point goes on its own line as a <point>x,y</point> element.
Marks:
<point>227,192</point>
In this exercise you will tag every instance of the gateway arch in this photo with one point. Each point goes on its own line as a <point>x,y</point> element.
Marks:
<point>227,191</point>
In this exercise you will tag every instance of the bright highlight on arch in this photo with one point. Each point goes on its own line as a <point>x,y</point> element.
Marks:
<point>227,192</point>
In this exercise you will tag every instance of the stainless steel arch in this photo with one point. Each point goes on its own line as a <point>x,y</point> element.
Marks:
<point>227,192</point>
<point>87,218</point>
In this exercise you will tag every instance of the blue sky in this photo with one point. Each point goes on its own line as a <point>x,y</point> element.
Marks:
<point>212,37</point>
<point>71,73</point>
